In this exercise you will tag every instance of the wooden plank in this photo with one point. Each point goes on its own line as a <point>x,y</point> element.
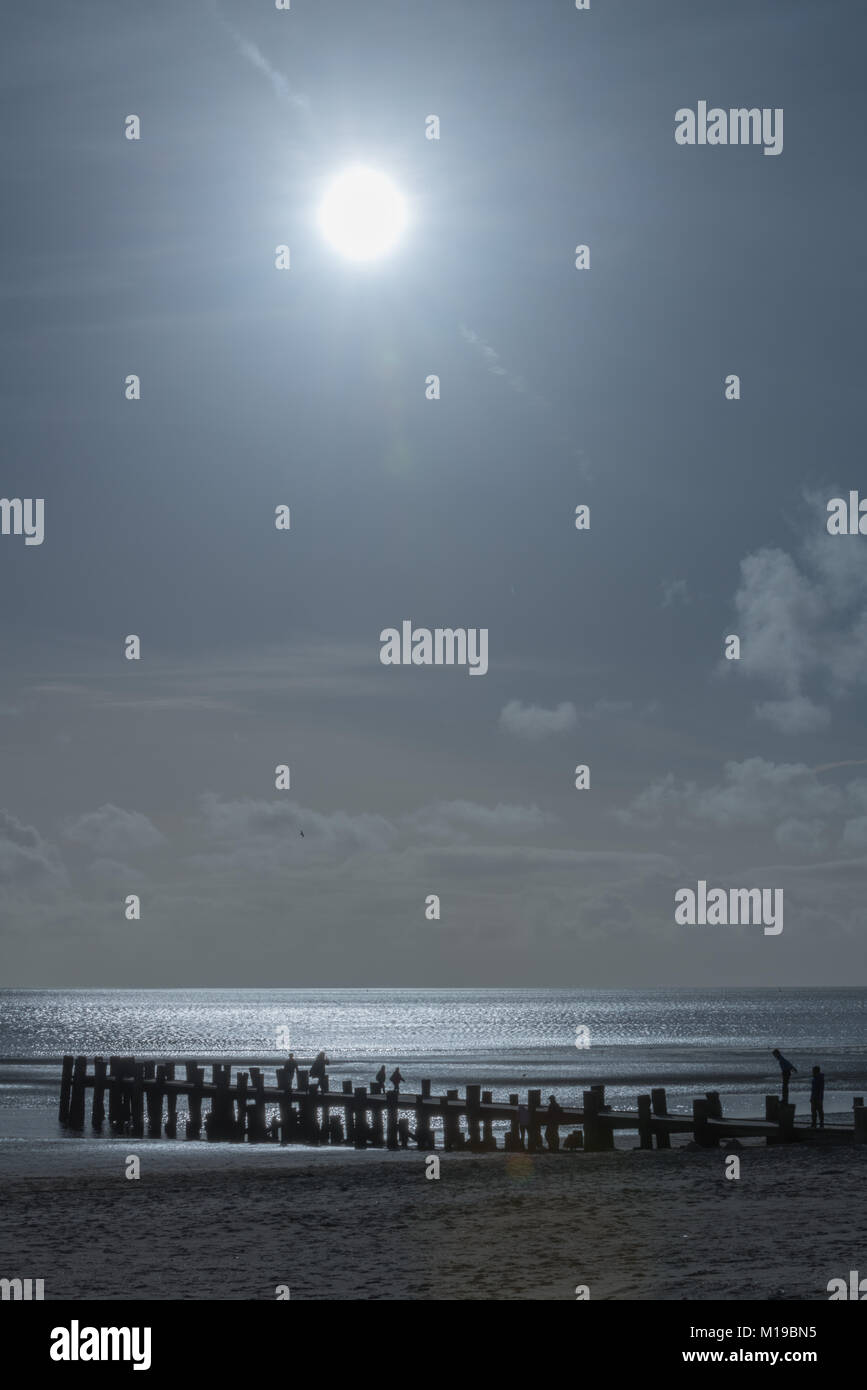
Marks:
<point>65,1089</point>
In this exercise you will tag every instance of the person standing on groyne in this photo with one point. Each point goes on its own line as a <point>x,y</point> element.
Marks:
<point>786,1068</point>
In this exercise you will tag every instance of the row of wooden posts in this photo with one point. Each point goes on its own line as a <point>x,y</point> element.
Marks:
<point>311,1113</point>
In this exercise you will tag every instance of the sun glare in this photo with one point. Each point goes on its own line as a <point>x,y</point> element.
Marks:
<point>362,215</point>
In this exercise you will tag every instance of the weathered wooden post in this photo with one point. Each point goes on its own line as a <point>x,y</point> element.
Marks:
<point>451,1123</point>
<point>424,1135</point>
<point>284,1087</point>
<point>325,1127</point>
<point>260,1127</point>
<point>488,1140</point>
<point>349,1113</point>
<point>513,1138</point>
<point>378,1135</point>
<point>714,1105</point>
<point>474,1101</point>
<point>660,1107</point>
<point>138,1100</point>
<point>701,1132</point>
<point>645,1133</point>
<point>155,1116</point>
<point>391,1133</point>
<point>76,1103</point>
<point>534,1128</point>
<point>65,1089</point>
<point>171,1102</point>
<point>360,1116</point>
<point>97,1114</point>
<point>786,1116</point>
<point>594,1139</point>
<point>241,1106</point>
<point>859,1120</point>
<point>196,1079</point>
<point>155,1095</point>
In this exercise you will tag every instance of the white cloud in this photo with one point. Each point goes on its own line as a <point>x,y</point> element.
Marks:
<point>112,833</point>
<point>533,722</point>
<point>803,625</point>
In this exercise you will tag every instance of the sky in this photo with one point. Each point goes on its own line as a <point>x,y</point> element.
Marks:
<point>305,387</point>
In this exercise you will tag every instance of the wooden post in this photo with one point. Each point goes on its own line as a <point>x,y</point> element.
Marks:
<point>534,1129</point>
<point>424,1135</point>
<point>138,1100</point>
<point>325,1127</point>
<point>702,1134</point>
<point>488,1140</point>
<point>349,1113</point>
<point>260,1128</point>
<point>513,1138</point>
<point>772,1106</point>
<point>196,1077</point>
<point>391,1103</point>
<point>786,1114</point>
<point>76,1103</point>
<point>153,1101</point>
<point>285,1103</point>
<point>474,1100</point>
<point>97,1114</point>
<point>714,1105</point>
<point>645,1133</point>
<point>360,1116</point>
<point>859,1120</point>
<point>241,1106</point>
<point>450,1122</point>
<point>594,1139</point>
<point>378,1137</point>
<point>65,1089</point>
<point>171,1104</point>
<point>660,1107</point>
<point>114,1094</point>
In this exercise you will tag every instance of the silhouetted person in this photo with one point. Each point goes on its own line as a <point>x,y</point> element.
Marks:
<point>786,1068</point>
<point>552,1133</point>
<point>817,1098</point>
<point>380,1076</point>
<point>291,1067</point>
<point>523,1121</point>
<point>403,1132</point>
<point>317,1070</point>
<point>395,1078</point>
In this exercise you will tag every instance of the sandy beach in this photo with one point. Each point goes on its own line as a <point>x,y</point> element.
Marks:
<point>225,1223</point>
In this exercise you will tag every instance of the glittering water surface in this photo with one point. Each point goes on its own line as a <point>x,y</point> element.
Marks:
<point>687,1040</point>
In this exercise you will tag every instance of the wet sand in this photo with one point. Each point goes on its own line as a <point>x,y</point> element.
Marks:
<point>224,1223</point>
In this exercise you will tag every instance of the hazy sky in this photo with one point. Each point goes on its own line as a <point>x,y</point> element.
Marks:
<point>307,387</point>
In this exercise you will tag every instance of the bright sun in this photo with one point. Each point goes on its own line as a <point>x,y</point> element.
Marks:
<point>362,214</point>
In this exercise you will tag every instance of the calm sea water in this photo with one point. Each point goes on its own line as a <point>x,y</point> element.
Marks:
<point>687,1040</point>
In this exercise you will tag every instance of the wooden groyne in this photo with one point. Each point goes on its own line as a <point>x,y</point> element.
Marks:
<point>142,1099</point>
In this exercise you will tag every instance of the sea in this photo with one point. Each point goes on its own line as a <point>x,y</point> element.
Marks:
<point>557,1040</point>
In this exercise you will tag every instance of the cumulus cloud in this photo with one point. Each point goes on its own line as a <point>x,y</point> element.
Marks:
<point>112,833</point>
<point>803,626</point>
<point>28,864</point>
<point>533,722</point>
<point>462,820</point>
